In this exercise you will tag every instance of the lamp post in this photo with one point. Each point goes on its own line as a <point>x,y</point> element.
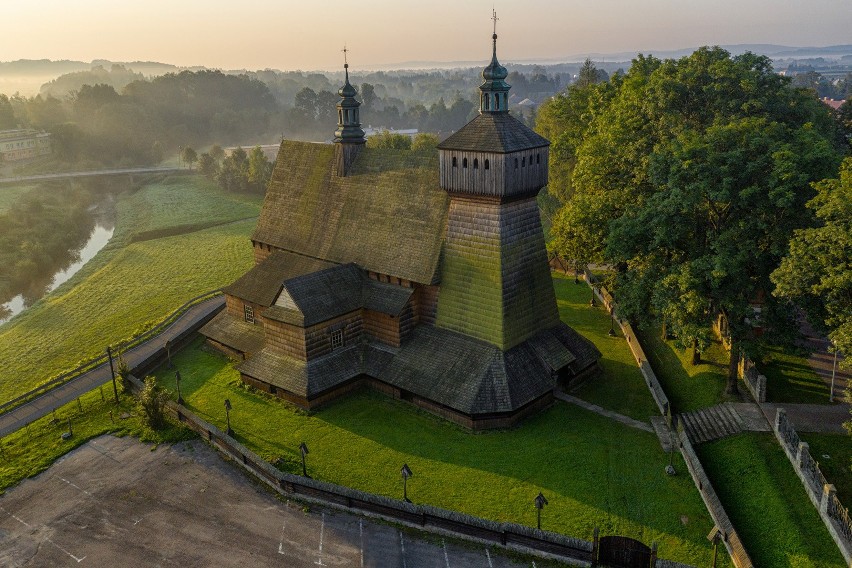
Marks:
<point>540,502</point>
<point>229,432</point>
<point>406,473</point>
<point>303,448</point>
<point>833,374</point>
<point>715,536</point>
<point>177,382</point>
<point>592,300</point>
<point>112,372</point>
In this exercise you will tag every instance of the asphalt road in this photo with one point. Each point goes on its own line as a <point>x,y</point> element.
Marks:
<point>43,405</point>
<point>118,502</point>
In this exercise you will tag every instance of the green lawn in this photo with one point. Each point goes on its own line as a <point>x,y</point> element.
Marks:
<point>30,451</point>
<point>620,386</point>
<point>594,472</point>
<point>767,503</point>
<point>130,285</point>
<point>688,387</point>
<point>837,467</point>
<point>790,378</point>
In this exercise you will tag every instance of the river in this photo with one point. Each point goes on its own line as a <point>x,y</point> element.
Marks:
<point>98,238</point>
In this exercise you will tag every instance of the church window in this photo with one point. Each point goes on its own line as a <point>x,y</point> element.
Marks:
<point>487,102</point>
<point>476,163</point>
<point>497,102</point>
<point>336,339</point>
<point>524,162</point>
<point>487,165</point>
<point>464,162</point>
<point>455,162</point>
<point>516,163</point>
<point>538,158</point>
<point>340,116</point>
<point>248,312</point>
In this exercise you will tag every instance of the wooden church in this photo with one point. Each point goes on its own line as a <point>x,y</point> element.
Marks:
<point>424,278</point>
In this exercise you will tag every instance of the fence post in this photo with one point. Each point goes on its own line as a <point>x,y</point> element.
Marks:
<point>595,546</point>
<point>828,493</point>
<point>780,418</point>
<point>801,451</point>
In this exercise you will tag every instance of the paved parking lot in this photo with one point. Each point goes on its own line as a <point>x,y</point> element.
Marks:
<point>117,502</point>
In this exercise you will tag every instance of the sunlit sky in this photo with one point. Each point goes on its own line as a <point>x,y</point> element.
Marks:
<point>309,34</point>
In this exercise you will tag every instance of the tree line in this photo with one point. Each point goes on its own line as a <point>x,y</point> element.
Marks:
<point>691,177</point>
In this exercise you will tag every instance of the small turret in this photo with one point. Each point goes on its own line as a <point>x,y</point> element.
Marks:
<point>494,91</point>
<point>349,137</point>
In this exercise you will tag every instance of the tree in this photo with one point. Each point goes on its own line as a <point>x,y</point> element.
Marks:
<point>152,403</point>
<point>689,177</point>
<point>259,170</point>
<point>7,114</point>
<point>189,155</point>
<point>217,153</point>
<point>817,271</point>
<point>207,166</point>
<point>389,140</point>
<point>424,141</point>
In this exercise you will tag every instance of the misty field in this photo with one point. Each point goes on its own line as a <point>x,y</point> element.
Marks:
<point>174,240</point>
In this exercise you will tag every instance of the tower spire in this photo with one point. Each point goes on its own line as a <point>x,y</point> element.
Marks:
<point>494,95</point>
<point>348,120</point>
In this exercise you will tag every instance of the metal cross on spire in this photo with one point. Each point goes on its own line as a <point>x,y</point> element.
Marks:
<point>345,51</point>
<point>495,18</point>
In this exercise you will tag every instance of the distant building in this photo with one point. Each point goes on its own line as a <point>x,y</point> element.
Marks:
<point>23,144</point>
<point>423,275</point>
<point>410,132</point>
<point>835,105</point>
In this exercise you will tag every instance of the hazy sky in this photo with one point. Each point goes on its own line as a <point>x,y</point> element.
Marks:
<point>300,34</point>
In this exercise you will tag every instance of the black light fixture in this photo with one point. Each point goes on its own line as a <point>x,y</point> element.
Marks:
<point>229,432</point>
<point>611,332</point>
<point>406,473</point>
<point>303,448</point>
<point>540,502</point>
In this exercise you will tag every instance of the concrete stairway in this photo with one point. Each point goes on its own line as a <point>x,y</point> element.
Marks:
<point>712,423</point>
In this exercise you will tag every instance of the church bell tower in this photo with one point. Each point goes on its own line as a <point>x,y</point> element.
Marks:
<point>496,284</point>
<point>349,137</point>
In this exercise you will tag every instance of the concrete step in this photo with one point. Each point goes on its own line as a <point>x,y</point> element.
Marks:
<point>713,423</point>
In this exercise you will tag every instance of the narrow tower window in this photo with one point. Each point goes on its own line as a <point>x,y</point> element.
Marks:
<point>538,158</point>
<point>497,101</point>
<point>455,162</point>
<point>487,101</point>
<point>464,163</point>
<point>524,162</point>
<point>487,165</point>
<point>476,163</point>
<point>516,163</point>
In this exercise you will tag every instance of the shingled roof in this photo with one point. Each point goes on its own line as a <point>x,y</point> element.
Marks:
<point>494,132</point>
<point>263,282</point>
<point>234,332</point>
<point>387,215</point>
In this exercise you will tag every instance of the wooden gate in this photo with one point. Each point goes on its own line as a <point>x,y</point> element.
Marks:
<point>624,552</point>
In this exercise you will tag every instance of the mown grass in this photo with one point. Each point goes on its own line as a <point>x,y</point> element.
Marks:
<point>790,378</point>
<point>594,472</point>
<point>129,286</point>
<point>837,467</point>
<point>688,387</point>
<point>32,450</point>
<point>620,386</point>
<point>767,503</point>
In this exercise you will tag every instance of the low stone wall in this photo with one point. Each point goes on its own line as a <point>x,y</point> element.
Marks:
<point>714,506</point>
<point>754,381</point>
<point>822,494</point>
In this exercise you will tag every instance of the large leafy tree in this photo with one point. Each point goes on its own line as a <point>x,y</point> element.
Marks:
<point>817,272</point>
<point>690,176</point>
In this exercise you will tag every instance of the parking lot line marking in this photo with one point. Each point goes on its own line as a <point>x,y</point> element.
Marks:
<point>322,532</point>
<point>488,555</point>
<point>283,528</point>
<point>75,486</point>
<point>402,546</point>
<point>14,517</point>
<point>361,534</point>
<point>78,560</point>
<point>446,556</point>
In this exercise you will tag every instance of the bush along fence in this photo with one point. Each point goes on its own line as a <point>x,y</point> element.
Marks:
<point>95,362</point>
<point>822,494</point>
<point>728,533</point>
